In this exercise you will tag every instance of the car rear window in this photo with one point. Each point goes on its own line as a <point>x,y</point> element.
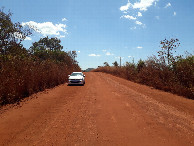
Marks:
<point>76,74</point>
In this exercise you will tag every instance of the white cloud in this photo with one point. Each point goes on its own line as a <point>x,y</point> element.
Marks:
<point>167,5</point>
<point>138,23</point>
<point>143,5</point>
<point>94,55</point>
<point>18,35</point>
<point>174,13</point>
<point>137,7</point>
<point>129,17</point>
<point>157,17</point>
<point>129,56</point>
<point>139,47</point>
<point>28,39</point>
<point>61,36</point>
<point>109,54</point>
<point>78,51</point>
<point>64,19</point>
<point>133,28</point>
<point>139,14</point>
<point>47,28</point>
<point>125,7</point>
<point>155,3</point>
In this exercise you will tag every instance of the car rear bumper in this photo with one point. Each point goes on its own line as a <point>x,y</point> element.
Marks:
<point>75,82</point>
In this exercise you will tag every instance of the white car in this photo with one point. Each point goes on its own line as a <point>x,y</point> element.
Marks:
<point>76,78</point>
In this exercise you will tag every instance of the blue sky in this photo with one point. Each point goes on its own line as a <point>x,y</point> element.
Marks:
<point>104,30</point>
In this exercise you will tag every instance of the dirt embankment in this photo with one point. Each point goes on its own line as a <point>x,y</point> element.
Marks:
<point>106,111</point>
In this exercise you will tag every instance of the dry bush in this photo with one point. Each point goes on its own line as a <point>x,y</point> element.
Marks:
<point>23,77</point>
<point>178,79</point>
<point>156,75</point>
<point>184,72</point>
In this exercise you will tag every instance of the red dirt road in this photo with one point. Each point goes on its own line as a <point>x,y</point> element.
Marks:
<point>106,111</point>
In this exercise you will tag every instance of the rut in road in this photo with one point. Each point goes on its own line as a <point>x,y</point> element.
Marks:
<point>106,111</point>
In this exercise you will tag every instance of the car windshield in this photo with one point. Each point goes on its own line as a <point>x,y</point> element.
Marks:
<point>76,74</point>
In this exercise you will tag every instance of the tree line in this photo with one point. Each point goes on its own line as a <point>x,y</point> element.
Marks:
<point>26,71</point>
<point>164,71</point>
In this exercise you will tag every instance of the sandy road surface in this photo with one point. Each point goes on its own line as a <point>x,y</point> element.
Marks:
<point>106,111</point>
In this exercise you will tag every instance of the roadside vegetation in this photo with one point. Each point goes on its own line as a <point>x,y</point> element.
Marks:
<point>27,71</point>
<point>165,72</point>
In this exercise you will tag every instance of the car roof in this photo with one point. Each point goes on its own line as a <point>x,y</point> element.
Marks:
<point>76,72</point>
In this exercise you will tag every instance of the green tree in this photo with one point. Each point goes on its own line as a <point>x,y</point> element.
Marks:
<point>106,64</point>
<point>47,44</point>
<point>11,35</point>
<point>184,70</point>
<point>48,48</point>
<point>115,64</point>
<point>51,49</point>
<point>140,65</point>
<point>73,56</point>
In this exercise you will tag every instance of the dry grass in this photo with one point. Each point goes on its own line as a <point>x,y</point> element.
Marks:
<point>178,79</point>
<point>23,77</point>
